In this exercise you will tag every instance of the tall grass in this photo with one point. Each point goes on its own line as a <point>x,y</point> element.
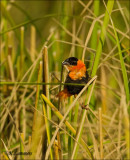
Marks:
<point>95,66</point>
<point>93,125</point>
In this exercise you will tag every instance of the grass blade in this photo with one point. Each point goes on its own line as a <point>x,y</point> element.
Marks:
<point>102,37</point>
<point>63,119</point>
<point>124,73</point>
<point>100,133</point>
<point>96,62</point>
<point>79,132</point>
<point>22,146</point>
<point>9,156</point>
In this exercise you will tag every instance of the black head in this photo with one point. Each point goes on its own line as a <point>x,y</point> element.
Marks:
<point>70,61</point>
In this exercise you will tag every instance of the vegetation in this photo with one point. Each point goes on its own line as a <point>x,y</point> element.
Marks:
<point>36,36</point>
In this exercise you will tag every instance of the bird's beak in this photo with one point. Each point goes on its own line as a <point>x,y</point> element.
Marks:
<point>65,63</point>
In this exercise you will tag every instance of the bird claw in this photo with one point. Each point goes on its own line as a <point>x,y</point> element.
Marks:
<point>85,106</point>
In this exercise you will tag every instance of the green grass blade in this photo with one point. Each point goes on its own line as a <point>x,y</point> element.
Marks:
<point>126,82</point>
<point>47,128</point>
<point>22,146</point>
<point>94,37</point>
<point>124,73</point>
<point>96,63</point>
<point>63,118</point>
<point>26,14</point>
<point>68,125</point>
<point>27,22</point>
<point>79,132</point>
<point>7,151</point>
<point>102,37</point>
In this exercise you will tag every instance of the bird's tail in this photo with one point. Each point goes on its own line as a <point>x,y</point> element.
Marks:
<point>64,94</point>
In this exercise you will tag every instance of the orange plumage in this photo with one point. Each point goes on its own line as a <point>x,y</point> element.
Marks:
<point>64,94</point>
<point>78,71</point>
<point>77,74</point>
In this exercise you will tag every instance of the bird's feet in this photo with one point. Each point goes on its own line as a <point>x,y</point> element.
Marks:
<point>85,106</point>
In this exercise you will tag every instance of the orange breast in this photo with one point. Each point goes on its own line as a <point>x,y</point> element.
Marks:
<point>78,71</point>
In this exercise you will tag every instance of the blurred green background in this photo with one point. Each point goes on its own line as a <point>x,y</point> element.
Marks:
<point>67,28</point>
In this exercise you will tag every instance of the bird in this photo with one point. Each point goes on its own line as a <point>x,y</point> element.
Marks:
<point>77,74</point>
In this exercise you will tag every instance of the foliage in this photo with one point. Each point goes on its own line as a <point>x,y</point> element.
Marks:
<point>36,36</point>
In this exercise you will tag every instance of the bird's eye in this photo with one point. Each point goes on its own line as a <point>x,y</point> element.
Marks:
<point>74,63</point>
